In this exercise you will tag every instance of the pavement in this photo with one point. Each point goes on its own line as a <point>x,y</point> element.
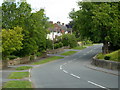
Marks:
<point>67,72</point>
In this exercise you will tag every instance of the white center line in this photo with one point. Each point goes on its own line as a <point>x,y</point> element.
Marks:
<point>75,76</point>
<point>60,66</point>
<point>65,71</point>
<point>97,84</point>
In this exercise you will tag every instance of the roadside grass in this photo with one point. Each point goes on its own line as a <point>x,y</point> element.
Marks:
<point>69,53</point>
<point>47,60</point>
<point>114,56</point>
<point>79,47</point>
<point>88,45</point>
<point>23,67</point>
<point>18,84</point>
<point>18,75</point>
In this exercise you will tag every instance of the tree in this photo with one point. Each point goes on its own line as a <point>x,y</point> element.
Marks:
<point>11,41</point>
<point>97,21</point>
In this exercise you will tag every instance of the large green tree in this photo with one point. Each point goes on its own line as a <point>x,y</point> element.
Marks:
<point>97,21</point>
<point>34,26</point>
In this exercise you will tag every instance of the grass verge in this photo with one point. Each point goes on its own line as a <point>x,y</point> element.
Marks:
<point>47,60</point>
<point>114,56</point>
<point>23,67</point>
<point>79,47</point>
<point>69,53</point>
<point>17,84</point>
<point>18,75</point>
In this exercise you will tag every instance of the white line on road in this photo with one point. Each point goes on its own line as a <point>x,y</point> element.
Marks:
<point>60,66</point>
<point>97,85</point>
<point>65,71</point>
<point>75,76</point>
<point>29,75</point>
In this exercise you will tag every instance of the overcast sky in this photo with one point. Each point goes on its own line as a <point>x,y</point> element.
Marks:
<point>56,10</point>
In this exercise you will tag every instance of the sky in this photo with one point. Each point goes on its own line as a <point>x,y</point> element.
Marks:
<point>56,10</point>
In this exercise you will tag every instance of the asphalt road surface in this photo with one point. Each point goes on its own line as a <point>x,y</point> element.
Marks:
<point>71,72</point>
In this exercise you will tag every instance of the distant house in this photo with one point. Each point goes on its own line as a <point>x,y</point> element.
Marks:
<point>57,30</point>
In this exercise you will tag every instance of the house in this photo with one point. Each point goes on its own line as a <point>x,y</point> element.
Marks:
<point>57,30</point>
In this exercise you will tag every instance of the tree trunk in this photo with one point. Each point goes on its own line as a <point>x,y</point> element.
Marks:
<point>105,47</point>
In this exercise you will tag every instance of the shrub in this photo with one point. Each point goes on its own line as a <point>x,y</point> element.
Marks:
<point>38,54</point>
<point>107,57</point>
<point>12,57</point>
<point>49,44</point>
<point>69,40</point>
<point>32,57</point>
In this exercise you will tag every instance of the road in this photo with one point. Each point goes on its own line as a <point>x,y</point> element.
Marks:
<point>71,72</point>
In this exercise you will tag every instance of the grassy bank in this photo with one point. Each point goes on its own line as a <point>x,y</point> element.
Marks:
<point>18,75</point>
<point>79,47</point>
<point>114,56</point>
<point>23,67</point>
<point>17,84</point>
<point>68,53</point>
<point>47,60</point>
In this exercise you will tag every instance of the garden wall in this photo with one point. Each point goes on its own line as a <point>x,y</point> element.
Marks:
<point>106,64</point>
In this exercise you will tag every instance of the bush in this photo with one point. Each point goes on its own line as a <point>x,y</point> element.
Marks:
<point>58,45</point>
<point>12,57</point>
<point>38,54</point>
<point>49,44</point>
<point>107,57</point>
<point>69,40</point>
<point>32,57</point>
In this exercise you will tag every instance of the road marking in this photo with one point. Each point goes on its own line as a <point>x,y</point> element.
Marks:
<point>65,71</point>
<point>85,54</point>
<point>75,76</point>
<point>97,85</point>
<point>29,75</point>
<point>60,66</point>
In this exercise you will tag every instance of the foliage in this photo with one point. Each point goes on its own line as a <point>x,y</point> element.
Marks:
<point>69,40</point>
<point>68,53</point>
<point>38,54</point>
<point>12,57</point>
<point>23,67</point>
<point>58,45</point>
<point>47,60</point>
<point>18,75</point>
<point>107,57</point>
<point>17,84</point>
<point>114,56</point>
<point>11,40</point>
<point>49,44</point>
<point>34,26</point>
<point>97,21</point>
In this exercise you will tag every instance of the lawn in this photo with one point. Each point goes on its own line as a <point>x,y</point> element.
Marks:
<point>47,60</point>
<point>18,84</point>
<point>114,56</point>
<point>18,75</point>
<point>69,53</point>
<point>23,67</point>
<point>79,47</point>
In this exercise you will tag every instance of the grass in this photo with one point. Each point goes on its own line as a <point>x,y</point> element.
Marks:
<point>23,67</point>
<point>114,56</point>
<point>68,53</point>
<point>88,45</point>
<point>18,75</point>
<point>18,84</point>
<point>47,60</point>
<point>79,47</point>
